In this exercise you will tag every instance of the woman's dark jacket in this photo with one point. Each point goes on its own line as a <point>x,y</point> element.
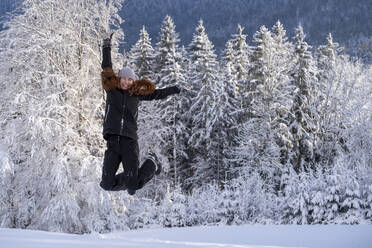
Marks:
<point>122,108</point>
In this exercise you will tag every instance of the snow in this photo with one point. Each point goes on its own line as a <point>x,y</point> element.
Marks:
<point>246,236</point>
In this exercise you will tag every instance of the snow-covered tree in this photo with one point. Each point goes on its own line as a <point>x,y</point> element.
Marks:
<point>173,210</point>
<point>283,64</point>
<point>332,197</point>
<point>304,117</point>
<point>205,112</point>
<point>296,201</point>
<point>368,195</point>
<point>166,50</point>
<point>234,72</point>
<point>142,55</point>
<point>142,213</point>
<point>352,205</point>
<point>203,205</point>
<point>327,58</point>
<point>239,62</point>
<point>230,107</point>
<point>169,71</point>
<point>251,198</point>
<point>262,136</point>
<point>6,176</point>
<point>282,46</point>
<point>50,52</point>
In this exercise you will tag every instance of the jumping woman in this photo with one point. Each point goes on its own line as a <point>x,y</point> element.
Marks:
<point>124,91</point>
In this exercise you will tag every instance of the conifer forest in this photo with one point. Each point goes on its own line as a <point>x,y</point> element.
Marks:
<point>270,130</point>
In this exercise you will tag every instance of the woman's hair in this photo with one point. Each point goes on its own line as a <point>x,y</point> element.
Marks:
<point>110,81</point>
<point>142,86</point>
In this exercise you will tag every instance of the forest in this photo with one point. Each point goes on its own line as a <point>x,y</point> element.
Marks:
<point>271,130</point>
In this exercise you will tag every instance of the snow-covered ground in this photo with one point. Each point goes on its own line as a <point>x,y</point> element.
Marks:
<point>248,236</point>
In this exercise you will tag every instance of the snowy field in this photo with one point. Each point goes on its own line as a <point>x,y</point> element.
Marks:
<point>248,236</point>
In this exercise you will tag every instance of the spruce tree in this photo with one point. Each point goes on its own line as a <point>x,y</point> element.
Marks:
<point>240,62</point>
<point>297,199</point>
<point>303,119</point>
<point>204,112</point>
<point>166,50</point>
<point>172,114</point>
<point>353,204</point>
<point>266,102</point>
<point>235,62</point>
<point>142,55</point>
<point>231,105</point>
<point>169,71</point>
<point>332,198</point>
<point>173,209</point>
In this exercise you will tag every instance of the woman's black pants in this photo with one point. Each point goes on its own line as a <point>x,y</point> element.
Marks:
<point>124,150</point>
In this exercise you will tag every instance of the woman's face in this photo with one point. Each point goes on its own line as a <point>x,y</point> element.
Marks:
<point>125,83</point>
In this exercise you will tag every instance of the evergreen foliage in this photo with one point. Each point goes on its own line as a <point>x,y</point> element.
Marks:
<point>142,55</point>
<point>170,71</point>
<point>303,117</point>
<point>205,110</point>
<point>167,49</point>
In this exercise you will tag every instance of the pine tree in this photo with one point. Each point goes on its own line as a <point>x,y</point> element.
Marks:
<point>283,47</point>
<point>318,194</point>
<point>231,107</point>
<point>172,118</point>
<point>169,72</point>
<point>235,65</point>
<point>240,62</point>
<point>352,205</point>
<point>142,213</point>
<point>166,49</point>
<point>203,205</point>
<point>303,119</point>
<point>204,111</point>
<point>262,134</point>
<point>297,199</point>
<point>142,55</point>
<point>332,198</point>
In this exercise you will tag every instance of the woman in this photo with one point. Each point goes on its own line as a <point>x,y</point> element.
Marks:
<point>124,91</point>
